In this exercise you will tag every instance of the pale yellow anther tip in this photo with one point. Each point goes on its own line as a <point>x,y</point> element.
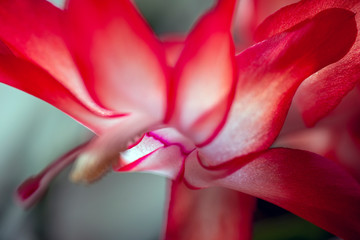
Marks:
<point>91,167</point>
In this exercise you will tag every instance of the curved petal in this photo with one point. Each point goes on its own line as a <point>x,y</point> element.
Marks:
<point>336,137</point>
<point>205,76</point>
<point>33,30</point>
<point>304,183</point>
<point>323,91</point>
<point>212,214</point>
<point>29,78</point>
<point>332,142</point>
<point>165,161</point>
<point>161,151</point>
<point>121,61</point>
<point>269,74</point>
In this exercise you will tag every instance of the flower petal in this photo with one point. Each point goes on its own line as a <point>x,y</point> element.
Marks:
<point>269,74</point>
<point>304,183</point>
<point>332,142</point>
<point>323,91</point>
<point>33,31</point>
<point>205,76</point>
<point>212,214</point>
<point>29,78</point>
<point>121,61</point>
<point>165,161</point>
<point>336,137</point>
<point>161,151</point>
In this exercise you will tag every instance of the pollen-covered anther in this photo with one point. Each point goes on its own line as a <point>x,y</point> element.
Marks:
<point>103,152</point>
<point>91,166</point>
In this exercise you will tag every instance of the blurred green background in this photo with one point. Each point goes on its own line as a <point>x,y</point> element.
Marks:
<point>128,206</point>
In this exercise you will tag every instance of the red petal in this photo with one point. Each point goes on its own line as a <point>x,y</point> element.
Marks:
<point>33,30</point>
<point>304,183</point>
<point>205,76</point>
<point>212,214</point>
<point>121,61</point>
<point>29,78</point>
<point>269,74</point>
<point>323,91</point>
<point>332,142</point>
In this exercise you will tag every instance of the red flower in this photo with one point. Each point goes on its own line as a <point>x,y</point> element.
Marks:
<point>207,117</point>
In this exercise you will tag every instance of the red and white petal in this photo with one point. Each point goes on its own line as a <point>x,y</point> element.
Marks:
<point>33,30</point>
<point>161,151</point>
<point>212,214</point>
<point>205,76</point>
<point>323,91</point>
<point>121,61</point>
<point>166,161</point>
<point>269,74</point>
<point>32,79</point>
<point>301,182</point>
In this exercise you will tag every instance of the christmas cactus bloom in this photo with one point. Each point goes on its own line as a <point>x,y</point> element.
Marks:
<point>195,112</point>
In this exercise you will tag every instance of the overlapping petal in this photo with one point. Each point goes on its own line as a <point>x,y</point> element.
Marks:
<point>336,137</point>
<point>162,151</point>
<point>323,91</point>
<point>269,74</point>
<point>304,183</point>
<point>332,142</point>
<point>121,61</point>
<point>32,79</point>
<point>32,30</point>
<point>204,79</point>
<point>213,214</point>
